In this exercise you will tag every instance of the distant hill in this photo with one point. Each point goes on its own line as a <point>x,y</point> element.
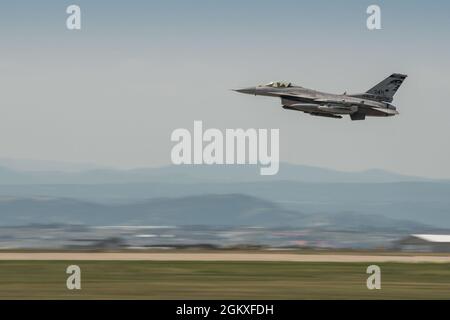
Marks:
<point>424,202</point>
<point>10,175</point>
<point>208,210</point>
<point>45,165</point>
<point>297,188</point>
<point>197,210</point>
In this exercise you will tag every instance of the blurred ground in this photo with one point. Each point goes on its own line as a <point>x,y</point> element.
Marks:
<point>222,280</point>
<point>225,256</point>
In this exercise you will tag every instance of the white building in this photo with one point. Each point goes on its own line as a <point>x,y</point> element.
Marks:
<point>425,243</point>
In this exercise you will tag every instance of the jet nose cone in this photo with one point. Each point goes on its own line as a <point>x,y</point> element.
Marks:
<point>250,90</point>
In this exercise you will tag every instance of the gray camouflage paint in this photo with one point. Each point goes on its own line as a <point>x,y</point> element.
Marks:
<point>376,102</point>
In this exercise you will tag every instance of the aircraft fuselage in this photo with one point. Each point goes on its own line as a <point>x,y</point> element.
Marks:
<point>376,102</point>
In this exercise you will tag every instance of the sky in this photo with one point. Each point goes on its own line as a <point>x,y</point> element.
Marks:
<point>113,92</point>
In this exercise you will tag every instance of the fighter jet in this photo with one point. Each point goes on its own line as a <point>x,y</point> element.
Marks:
<point>376,102</point>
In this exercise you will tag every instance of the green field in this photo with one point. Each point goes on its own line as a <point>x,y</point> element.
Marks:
<point>221,280</point>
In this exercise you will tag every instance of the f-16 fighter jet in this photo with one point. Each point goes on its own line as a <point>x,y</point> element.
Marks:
<point>376,102</point>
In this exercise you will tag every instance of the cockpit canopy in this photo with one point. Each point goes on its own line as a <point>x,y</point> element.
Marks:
<point>279,84</point>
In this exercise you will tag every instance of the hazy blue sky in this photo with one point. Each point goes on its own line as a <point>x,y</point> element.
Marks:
<point>113,92</point>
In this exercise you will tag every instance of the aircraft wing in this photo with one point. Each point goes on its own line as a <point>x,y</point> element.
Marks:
<point>322,101</point>
<point>334,101</point>
<point>348,103</point>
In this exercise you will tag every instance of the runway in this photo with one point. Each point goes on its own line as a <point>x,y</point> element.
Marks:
<point>215,256</point>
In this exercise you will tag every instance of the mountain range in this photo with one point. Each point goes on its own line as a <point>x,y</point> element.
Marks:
<point>297,189</point>
<point>206,210</point>
<point>23,172</point>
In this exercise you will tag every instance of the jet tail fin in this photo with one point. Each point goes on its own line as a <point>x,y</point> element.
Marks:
<point>385,90</point>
